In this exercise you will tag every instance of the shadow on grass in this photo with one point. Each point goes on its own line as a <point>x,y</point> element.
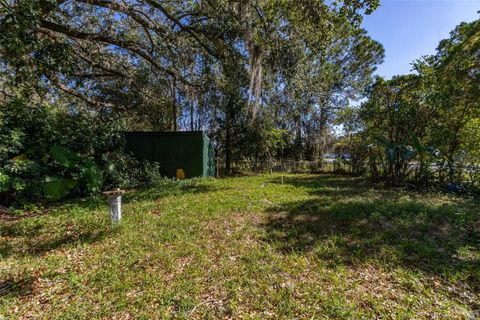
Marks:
<point>163,188</point>
<point>349,222</point>
<point>16,288</point>
<point>34,243</point>
<point>31,235</point>
<point>168,188</point>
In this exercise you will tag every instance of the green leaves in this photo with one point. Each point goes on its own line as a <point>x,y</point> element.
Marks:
<point>88,174</point>
<point>4,182</point>
<point>64,157</point>
<point>56,188</point>
<point>43,149</point>
<point>405,152</point>
<point>93,176</point>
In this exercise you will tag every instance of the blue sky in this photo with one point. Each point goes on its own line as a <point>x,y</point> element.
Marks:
<point>409,29</point>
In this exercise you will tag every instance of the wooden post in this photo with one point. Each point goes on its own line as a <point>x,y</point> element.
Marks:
<point>115,204</point>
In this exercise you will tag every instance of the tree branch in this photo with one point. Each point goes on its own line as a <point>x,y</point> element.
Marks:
<point>98,104</point>
<point>177,22</point>
<point>129,11</point>
<point>125,44</point>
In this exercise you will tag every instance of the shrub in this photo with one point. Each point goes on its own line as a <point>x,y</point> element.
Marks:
<point>51,152</point>
<point>134,174</point>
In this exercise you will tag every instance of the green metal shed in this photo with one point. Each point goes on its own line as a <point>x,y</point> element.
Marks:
<point>191,151</point>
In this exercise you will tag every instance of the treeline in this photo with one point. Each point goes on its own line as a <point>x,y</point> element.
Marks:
<point>424,127</point>
<point>263,78</point>
<point>266,79</point>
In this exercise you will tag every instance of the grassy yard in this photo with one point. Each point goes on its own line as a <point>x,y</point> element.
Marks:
<point>314,246</point>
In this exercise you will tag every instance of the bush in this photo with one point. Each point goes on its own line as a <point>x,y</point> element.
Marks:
<point>49,152</point>
<point>134,174</point>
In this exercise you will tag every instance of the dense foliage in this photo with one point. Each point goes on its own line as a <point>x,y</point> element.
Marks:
<point>211,65</point>
<point>424,127</point>
<point>49,152</point>
<point>266,79</point>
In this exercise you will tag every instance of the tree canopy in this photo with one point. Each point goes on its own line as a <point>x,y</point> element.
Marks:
<point>429,116</point>
<point>198,65</point>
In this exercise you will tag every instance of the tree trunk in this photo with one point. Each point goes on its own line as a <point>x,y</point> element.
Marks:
<point>298,138</point>
<point>174,105</point>
<point>228,146</point>
<point>191,117</point>
<point>256,77</point>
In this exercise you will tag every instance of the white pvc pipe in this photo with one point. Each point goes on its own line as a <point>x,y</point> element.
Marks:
<point>115,207</point>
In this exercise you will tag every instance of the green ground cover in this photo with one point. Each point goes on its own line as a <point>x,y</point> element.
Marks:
<point>314,246</point>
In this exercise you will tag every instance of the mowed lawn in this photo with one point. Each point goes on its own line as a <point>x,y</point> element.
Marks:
<point>314,246</point>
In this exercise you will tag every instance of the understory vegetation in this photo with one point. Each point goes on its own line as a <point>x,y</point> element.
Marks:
<point>48,154</point>
<point>421,127</point>
<point>259,247</point>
